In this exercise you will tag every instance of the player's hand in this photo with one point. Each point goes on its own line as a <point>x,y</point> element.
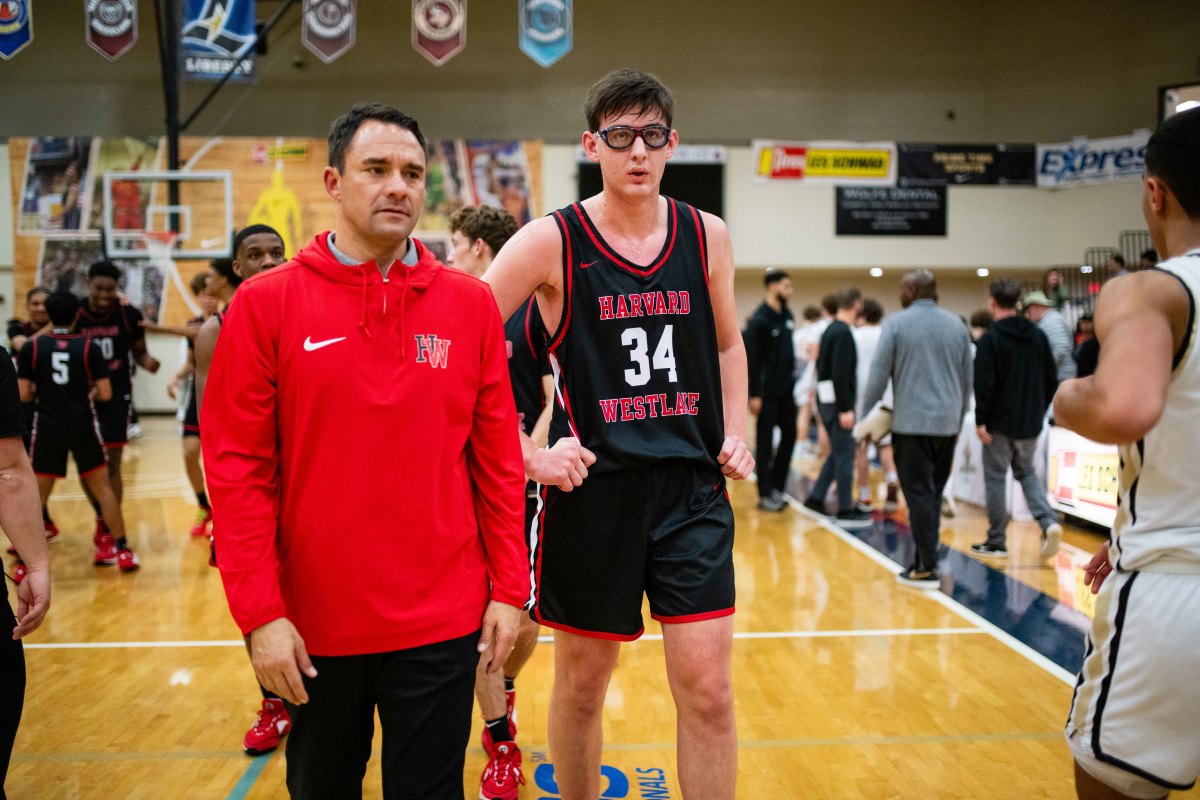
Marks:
<point>1097,569</point>
<point>982,432</point>
<point>278,656</point>
<point>150,364</point>
<point>173,388</point>
<point>501,622</point>
<point>846,420</point>
<point>564,465</point>
<point>33,600</point>
<point>755,405</point>
<point>735,459</point>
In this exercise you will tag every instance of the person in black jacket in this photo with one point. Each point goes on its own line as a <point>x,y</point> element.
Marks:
<point>1015,381</point>
<point>771,362</point>
<point>837,395</point>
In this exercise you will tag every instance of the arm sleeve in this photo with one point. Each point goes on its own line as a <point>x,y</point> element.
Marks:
<point>985,379</point>
<point>241,458</point>
<point>496,467</point>
<point>881,368</point>
<point>844,363</point>
<point>754,345</point>
<point>11,420</point>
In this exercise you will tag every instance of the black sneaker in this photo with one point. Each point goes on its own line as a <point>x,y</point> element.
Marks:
<point>985,549</point>
<point>772,504</point>
<point>816,506</point>
<point>865,506</point>
<point>853,518</point>
<point>918,579</point>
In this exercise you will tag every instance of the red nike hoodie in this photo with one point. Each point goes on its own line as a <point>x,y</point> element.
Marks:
<point>361,444</point>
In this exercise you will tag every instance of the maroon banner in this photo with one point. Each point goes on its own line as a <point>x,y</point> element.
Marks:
<point>439,29</point>
<point>329,27</point>
<point>111,26</point>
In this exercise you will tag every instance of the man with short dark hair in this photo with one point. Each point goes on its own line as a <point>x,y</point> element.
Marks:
<point>393,556</point>
<point>476,236</point>
<point>926,352</point>
<point>771,365</point>
<point>837,398</point>
<point>1132,724</point>
<point>1015,381</point>
<point>1116,265</point>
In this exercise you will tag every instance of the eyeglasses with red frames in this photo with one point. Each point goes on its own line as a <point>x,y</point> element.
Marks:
<point>622,137</point>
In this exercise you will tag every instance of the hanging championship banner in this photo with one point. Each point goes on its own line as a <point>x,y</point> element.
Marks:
<point>439,29</point>
<point>111,26</point>
<point>840,163</point>
<point>546,29</point>
<point>16,27</point>
<point>329,27</point>
<point>217,34</point>
<point>966,165</point>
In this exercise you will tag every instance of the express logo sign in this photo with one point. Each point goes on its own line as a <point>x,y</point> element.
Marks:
<point>1083,162</point>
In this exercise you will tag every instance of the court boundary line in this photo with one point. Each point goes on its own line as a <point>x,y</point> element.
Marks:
<point>938,596</point>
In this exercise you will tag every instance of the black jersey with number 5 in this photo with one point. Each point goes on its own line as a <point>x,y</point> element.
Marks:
<point>63,368</point>
<point>637,376</point>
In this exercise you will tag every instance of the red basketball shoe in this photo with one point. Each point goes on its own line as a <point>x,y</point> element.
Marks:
<point>502,778</point>
<point>271,725</point>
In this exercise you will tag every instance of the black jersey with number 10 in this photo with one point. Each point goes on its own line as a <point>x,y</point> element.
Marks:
<point>637,376</point>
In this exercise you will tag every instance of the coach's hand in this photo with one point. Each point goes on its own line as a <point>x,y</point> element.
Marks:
<point>1097,569</point>
<point>735,459</point>
<point>500,625</point>
<point>565,465</point>
<point>278,656</point>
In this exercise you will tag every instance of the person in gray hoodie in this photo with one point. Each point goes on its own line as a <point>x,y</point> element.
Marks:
<point>1050,320</point>
<point>926,352</point>
<point>1015,382</point>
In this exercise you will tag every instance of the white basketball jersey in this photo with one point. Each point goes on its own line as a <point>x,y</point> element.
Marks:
<point>1158,516</point>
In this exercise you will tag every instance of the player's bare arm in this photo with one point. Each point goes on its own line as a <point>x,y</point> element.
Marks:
<point>104,390</point>
<point>1140,323</point>
<point>206,345</point>
<point>143,357</point>
<point>532,261</point>
<point>27,390</point>
<point>735,459</point>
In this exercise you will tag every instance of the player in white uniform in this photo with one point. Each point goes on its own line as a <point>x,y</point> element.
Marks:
<point>1134,725</point>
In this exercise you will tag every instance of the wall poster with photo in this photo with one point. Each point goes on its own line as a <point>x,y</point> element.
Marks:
<point>57,185</point>
<point>63,264</point>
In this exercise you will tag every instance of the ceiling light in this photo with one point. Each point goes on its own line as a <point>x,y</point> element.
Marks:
<point>1085,269</point>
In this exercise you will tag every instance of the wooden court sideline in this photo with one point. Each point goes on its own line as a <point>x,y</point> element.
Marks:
<point>847,685</point>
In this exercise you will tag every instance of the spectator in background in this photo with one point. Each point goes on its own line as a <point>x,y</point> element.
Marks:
<point>804,383</point>
<point>1052,323</point>
<point>771,364</point>
<point>979,323</point>
<point>808,378</point>
<point>837,395</point>
<point>1116,265</point>
<point>1087,347</point>
<point>1055,289</point>
<point>1015,381</point>
<point>1148,259</point>
<point>866,340</point>
<point>926,352</point>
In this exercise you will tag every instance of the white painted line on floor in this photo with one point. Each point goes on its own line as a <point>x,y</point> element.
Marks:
<point>938,597</point>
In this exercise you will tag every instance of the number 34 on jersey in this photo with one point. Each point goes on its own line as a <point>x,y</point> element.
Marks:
<point>650,406</point>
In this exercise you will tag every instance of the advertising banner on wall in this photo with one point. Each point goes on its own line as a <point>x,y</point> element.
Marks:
<point>329,27</point>
<point>439,29</point>
<point>216,35</point>
<point>1085,162</point>
<point>840,163</point>
<point>545,29</point>
<point>112,27</point>
<point>890,211</point>
<point>965,164</point>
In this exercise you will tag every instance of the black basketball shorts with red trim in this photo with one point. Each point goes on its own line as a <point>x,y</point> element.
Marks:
<point>114,419</point>
<point>665,531</point>
<point>50,446</point>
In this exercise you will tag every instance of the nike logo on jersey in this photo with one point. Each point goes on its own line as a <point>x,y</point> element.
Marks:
<point>310,345</point>
<point>586,264</point>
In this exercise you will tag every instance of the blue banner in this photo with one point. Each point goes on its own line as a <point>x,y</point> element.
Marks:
<point>547,29</point>
<point>16,27</point>
<point>216,34</point>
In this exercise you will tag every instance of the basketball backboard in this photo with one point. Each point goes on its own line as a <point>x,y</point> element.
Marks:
<point>137,203</point>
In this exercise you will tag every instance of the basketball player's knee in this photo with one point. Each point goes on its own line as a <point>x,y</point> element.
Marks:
<point>584,690</point>
<point>707,693</point>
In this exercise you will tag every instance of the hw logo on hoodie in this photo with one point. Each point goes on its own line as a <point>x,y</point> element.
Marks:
<point>432,350</point>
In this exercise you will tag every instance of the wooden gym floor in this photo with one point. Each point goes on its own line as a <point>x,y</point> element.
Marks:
<point>847,685</point>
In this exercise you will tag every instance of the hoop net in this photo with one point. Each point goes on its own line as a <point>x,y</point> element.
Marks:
<point>160,248</point>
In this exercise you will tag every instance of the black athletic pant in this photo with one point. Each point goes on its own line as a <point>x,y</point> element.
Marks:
<point>424,696</point>
<point>12,688</point>
<point>923,465</point>
<point>772,464</point>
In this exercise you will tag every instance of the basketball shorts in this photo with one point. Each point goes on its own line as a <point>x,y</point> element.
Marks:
<point>114,420</point>
<point>1133,721</point>
<point>50,446</point>
<point>665,531</point>
<point>191,416</point>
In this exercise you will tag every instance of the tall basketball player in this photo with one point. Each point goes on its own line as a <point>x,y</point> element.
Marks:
<point>1132,725</point>
<point>636,291</point>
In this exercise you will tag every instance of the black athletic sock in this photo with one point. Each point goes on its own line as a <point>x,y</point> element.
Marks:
<point>122,543</point>
<point>202,499</point>
<point>510,684</point>
<point>499,729</point>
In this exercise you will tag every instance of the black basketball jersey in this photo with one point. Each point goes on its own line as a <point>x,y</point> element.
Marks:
<point>62,367</point>
<point>114,332</point>
<point>636,370</point>
<point>527,362</point>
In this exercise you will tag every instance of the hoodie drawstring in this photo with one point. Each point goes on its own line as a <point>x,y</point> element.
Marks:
<point>403,308</point>
<point>363,323</point>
